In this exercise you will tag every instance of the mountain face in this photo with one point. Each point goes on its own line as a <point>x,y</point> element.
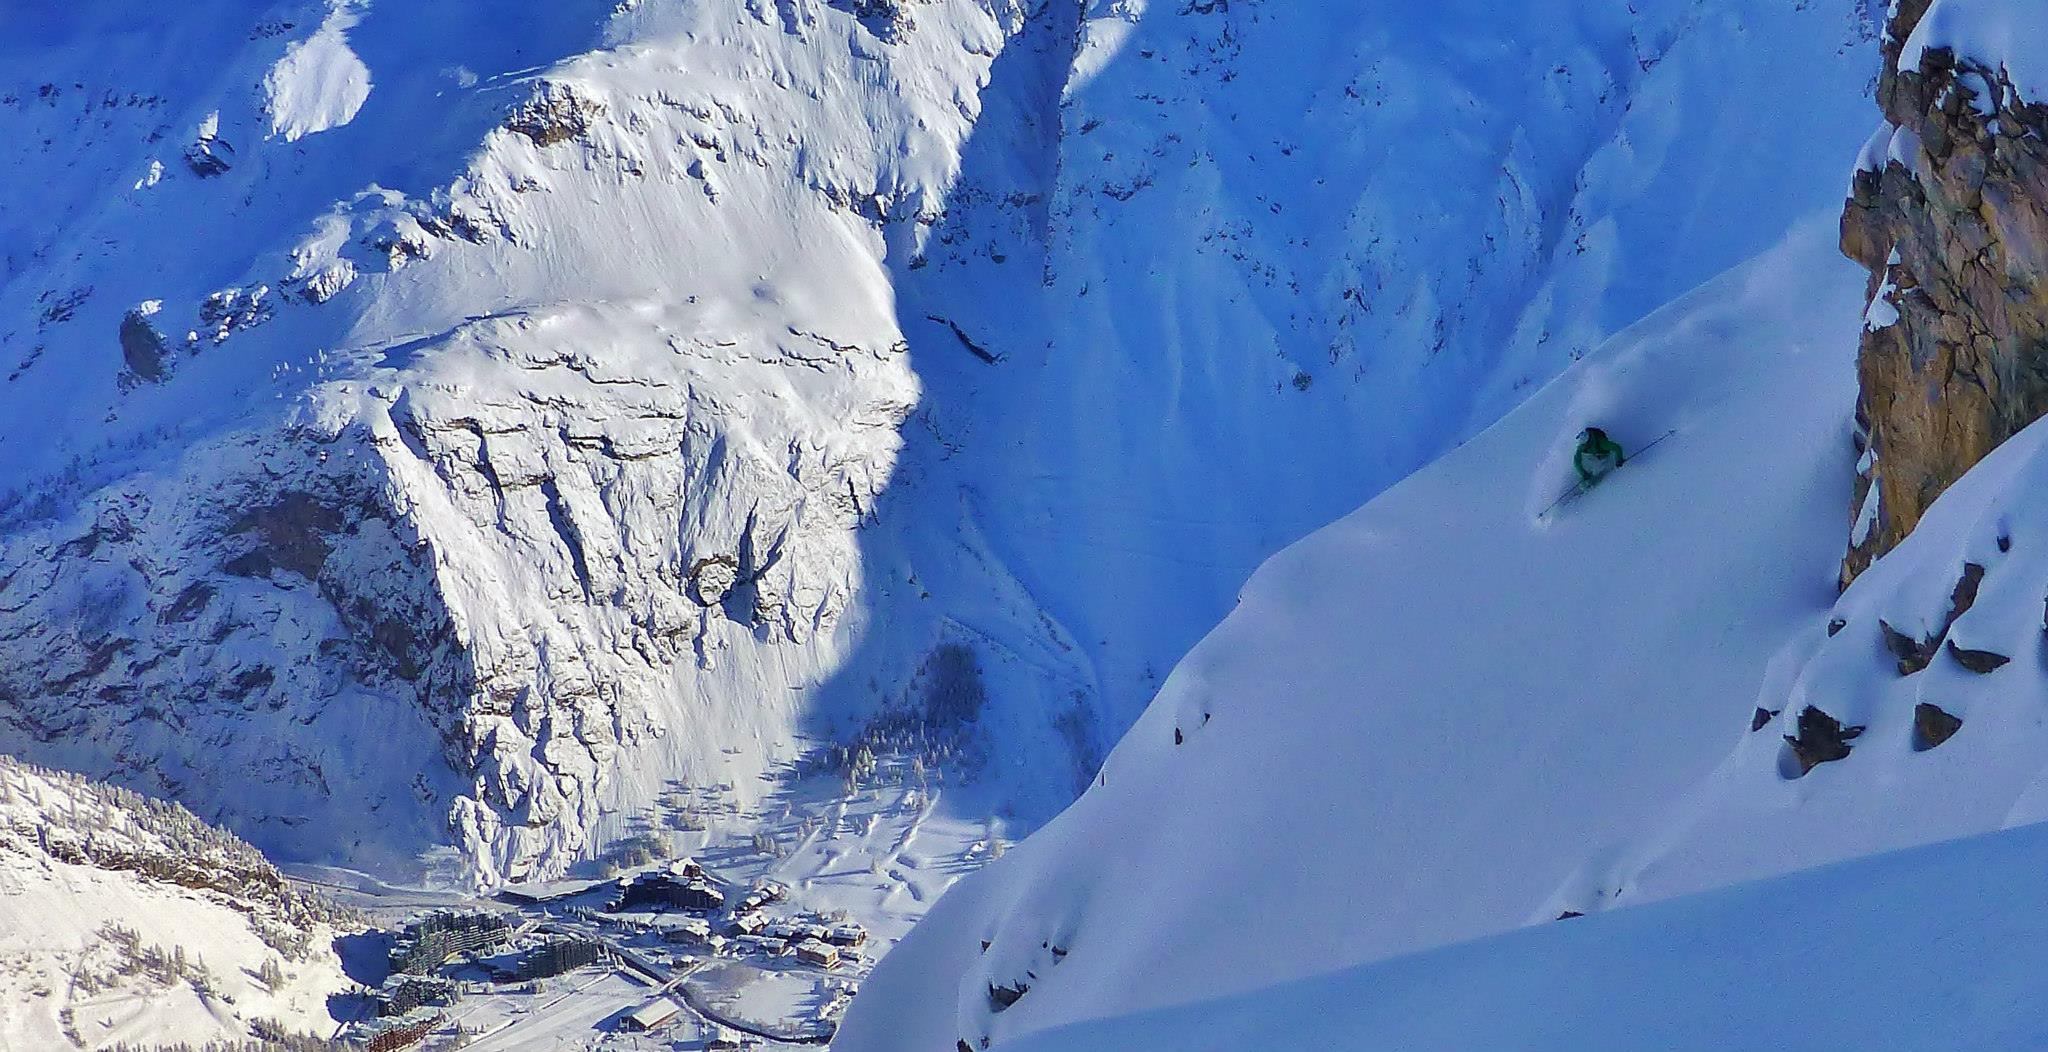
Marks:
<point>445,425</point>
<point>1949,213</point>
<point>128,920</point>
<point>474,424</point>
<point>458,424</point>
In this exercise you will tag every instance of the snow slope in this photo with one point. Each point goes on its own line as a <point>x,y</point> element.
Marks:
<point>1923,626</point>
<point>1292,254</point>
<point>465,422</point>
<point>1938,947</point>
<point>1421,721</point>
<point>125,920</point>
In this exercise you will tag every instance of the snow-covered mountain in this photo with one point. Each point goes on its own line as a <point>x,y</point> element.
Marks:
<point>1421,723</point>
<point>413,405</point>
<point>128,920</point>
<point>457,423</point>
<point>553,430</point>
<point>1462,709</point>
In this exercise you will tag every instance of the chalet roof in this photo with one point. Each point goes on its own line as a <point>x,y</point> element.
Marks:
<point>654,1013</point>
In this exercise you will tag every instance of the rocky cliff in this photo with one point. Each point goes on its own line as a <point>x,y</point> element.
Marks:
<point>1949,212</point>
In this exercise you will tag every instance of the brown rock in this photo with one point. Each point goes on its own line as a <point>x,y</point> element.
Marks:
<point>1913,654</point>
<point>1001,997</point>
<point>1932,726</point>
<point>1966,365</point>
<point>1916,654</point>
<point>1821,739</point>
<point>293,532</point>
<point>555,114</point>
<point>1978,661</point>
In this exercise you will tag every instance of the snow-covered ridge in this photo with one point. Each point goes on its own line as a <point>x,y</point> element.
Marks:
<point>1934,948</point>
<point>124,918</point>
<point>77,822</point>
<point>2002,35</point>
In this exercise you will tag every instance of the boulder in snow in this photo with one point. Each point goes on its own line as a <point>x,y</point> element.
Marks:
<point>1978,661</point>
<point>1821,738</point>
<point>1932,725</point>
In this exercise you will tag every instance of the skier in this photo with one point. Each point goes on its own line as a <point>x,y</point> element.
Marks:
<point>1596,456</point>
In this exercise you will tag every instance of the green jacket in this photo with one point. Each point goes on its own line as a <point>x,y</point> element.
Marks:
<point>1593,452</point>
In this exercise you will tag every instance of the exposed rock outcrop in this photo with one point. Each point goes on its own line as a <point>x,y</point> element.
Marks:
<point>1978,661</point>
<point>1821,739</point>
<point>1917,652</point>
<point>556,114</point>
<point>1949,212</point>
<point>1001,997</point>
<point>888,20</point>
<point>142,347</point>
<point>1933,725</point>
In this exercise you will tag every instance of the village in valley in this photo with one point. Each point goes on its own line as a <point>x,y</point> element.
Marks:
<point>756,939</point>
<point>675,953</point>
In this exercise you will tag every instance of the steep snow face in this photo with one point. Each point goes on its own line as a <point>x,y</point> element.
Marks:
<point>1914,712</point>
<point>461,421</point>
<point>1946,628</point>
<point>129,920</point>
<point>1935,948</point>
<point>1291,254</point>
<point>1421,721</point>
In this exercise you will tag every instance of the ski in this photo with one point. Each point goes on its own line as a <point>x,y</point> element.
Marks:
<point>1579,489</point>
